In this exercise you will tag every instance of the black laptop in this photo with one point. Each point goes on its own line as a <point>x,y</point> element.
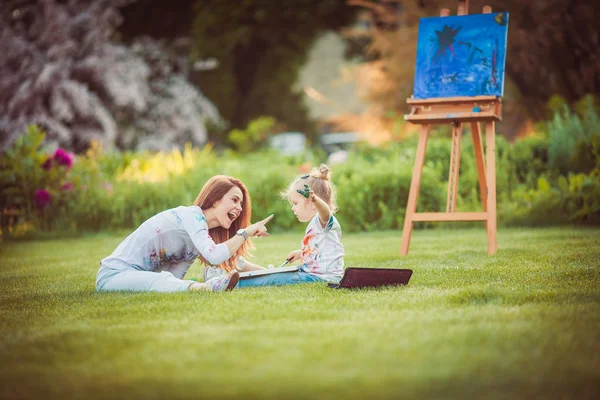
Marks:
<point>355,278</point>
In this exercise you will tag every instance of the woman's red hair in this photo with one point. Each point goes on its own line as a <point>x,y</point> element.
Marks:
<point>213,191</point>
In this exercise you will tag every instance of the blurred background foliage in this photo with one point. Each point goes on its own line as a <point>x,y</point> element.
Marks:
<point>102,190</point>
<point>113,110</point>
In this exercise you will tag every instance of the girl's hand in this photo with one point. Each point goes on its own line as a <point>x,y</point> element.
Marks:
<point>308,193</point>
<point>259,229</point>
<point>294,256</point>
<point>304,192</point>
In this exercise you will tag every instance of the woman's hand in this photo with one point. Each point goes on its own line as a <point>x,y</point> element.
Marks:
<point>294,256</point>
<point>259,229</point>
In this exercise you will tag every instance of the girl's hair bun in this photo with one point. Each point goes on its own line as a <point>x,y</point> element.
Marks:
<point>324,172</point>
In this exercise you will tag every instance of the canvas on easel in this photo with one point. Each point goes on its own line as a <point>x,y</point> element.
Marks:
<point>459,79</point>
<point>461,56</point>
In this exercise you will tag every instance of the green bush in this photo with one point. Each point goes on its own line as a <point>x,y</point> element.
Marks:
<point>575,199</point>
<point>558,177</point>
<point>255,136</point>
<point>120,190</point>
<point>373,191</point>
<point>571,134</point>
<point>529,158</point>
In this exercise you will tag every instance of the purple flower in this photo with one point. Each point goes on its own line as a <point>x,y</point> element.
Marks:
<point>67,186</point>
<point>64,158</point>
<point>42,198</point>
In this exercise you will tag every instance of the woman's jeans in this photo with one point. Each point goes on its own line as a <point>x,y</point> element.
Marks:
<point>117,278</point>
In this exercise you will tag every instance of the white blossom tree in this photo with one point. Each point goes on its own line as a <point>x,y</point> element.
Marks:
<point>60,69</point>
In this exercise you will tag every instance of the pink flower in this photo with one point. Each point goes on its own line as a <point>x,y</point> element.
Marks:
<point>67,186</point>
<point>42,198</point>
<point>109,187</point>
<point>64,158</point>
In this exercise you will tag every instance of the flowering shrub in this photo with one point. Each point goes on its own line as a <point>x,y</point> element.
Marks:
<point>32,180</point>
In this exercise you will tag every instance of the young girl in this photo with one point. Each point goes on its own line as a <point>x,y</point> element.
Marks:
<point>157,255</point>
<point>312,197</point>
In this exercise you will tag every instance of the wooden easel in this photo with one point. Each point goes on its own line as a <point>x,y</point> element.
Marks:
<point>457,111</point>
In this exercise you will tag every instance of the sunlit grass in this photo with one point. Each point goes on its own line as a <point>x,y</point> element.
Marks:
<point>523,323</point>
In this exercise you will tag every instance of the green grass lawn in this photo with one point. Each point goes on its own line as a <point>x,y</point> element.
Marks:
<point>524,323</point>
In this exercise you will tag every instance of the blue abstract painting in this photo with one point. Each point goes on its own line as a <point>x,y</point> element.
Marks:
<point>461,56</point>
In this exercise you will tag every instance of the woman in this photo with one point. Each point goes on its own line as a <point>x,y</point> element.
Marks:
<point>157,255</point>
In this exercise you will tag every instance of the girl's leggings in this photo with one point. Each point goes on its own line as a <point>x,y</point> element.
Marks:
<point>284,278</point>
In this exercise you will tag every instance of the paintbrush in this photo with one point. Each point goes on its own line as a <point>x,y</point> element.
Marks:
<point>282,265</point>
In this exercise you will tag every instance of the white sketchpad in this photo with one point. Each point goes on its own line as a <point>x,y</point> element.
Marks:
<point>261,272</point>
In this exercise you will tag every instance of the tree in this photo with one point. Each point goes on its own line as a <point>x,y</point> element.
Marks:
<point>552,50</point>
<point>60,70</point>
<point>260,46</point>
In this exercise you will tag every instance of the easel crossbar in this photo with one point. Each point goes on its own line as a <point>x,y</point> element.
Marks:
<point>454,216</point>
<point>454,117</point>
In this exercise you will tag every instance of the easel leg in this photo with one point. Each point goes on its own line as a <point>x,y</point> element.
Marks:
<point>490,152</point>
<point>454,168</point>
<point>415,185</point>
<point>478,148</point>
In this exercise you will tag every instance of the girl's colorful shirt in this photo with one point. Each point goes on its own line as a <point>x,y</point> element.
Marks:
<point>322,250</point>
<point>170,240</point>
